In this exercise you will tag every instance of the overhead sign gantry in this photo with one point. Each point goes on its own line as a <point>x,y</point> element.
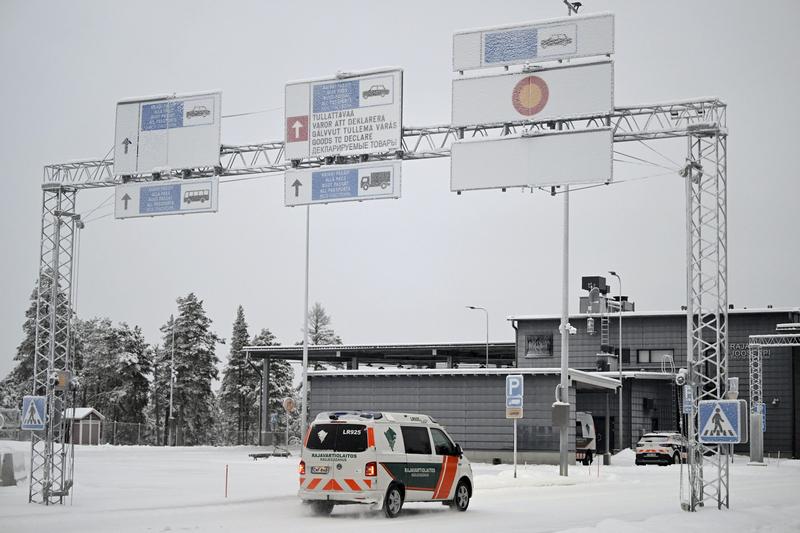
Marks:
<point>701,121</point>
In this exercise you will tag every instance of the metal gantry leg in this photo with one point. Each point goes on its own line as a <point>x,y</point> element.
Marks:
<point>707,305</point>
<point>51,455</point>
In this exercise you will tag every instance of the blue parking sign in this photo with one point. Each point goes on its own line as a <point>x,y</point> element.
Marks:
<point>514,390</point>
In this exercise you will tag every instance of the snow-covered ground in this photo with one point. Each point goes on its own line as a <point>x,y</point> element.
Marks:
<point>130,488</point>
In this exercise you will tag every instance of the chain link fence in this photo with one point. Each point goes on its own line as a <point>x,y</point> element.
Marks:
<point>143,434</point>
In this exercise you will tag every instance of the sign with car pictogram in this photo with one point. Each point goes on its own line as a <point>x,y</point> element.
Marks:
<point>342,183</point>
<point>164,133</point>
<point>352,114</point>
<point>547,40</point>
<point>561,92</point>
<point>174,197</point>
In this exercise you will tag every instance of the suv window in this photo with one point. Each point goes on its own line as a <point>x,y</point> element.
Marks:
<point>416,439</point>
<point>441,443</point>
<point>338,437</point>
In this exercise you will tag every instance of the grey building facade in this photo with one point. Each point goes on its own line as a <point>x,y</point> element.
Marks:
<point>451,382</point>
<point>656,341</point>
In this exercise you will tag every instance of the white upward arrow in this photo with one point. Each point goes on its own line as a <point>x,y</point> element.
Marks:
<point>297,126</point>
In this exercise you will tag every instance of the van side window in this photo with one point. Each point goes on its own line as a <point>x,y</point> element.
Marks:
<point>416,439</point>
<point>441,443</point>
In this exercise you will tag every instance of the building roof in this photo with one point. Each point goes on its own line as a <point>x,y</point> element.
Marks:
<point>601,380</point>
<point>79,413</point>
<point>677,312</point>
<point>417,354</point>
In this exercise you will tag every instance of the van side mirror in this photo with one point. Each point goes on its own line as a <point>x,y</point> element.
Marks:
<point>459,451</point>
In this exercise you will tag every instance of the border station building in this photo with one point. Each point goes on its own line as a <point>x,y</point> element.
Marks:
<point>452,383</point>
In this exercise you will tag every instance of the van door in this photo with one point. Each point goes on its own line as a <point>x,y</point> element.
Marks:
<point>420,474</point>
<point>446,453</point>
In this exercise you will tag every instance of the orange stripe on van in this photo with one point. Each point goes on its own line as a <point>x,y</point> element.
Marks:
<point>368,483</point>
<point>314,483</point>
<point>332,485</point>
<point>439,481</point>
<point>302,480</point>
<point>352,484</point>
<point>370,437</point>
<point>450,468</point>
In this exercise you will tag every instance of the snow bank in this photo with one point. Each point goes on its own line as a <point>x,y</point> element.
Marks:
<point>626,457</point>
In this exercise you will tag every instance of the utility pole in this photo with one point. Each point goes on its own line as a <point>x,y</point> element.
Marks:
<point>619,361</point>
<point>304,404</point>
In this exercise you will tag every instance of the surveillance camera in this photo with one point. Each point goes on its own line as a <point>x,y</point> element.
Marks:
<point>681,377</point>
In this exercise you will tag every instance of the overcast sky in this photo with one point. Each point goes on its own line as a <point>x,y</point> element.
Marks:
<point>389,270</point>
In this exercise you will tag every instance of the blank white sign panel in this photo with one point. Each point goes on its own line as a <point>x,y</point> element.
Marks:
<point>558,158</point>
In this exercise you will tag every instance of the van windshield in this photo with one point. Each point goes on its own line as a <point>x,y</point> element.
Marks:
<point>338,437</point>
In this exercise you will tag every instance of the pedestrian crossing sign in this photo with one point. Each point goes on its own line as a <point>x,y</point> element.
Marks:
<point>33,413</point>
<point>720,422</point>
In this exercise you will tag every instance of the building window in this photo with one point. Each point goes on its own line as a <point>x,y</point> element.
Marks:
<point>654,356</point>
<point>538,346</point>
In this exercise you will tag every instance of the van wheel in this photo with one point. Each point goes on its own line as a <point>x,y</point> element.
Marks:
<point>461,498</point>
<point>587,459</point>
<point>321,508</point>
<point>393,502</point>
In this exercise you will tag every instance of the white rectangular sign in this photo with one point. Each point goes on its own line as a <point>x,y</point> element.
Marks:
<point>543,160</point>
<point>362,114</point>
<point>342,183</point>
<point>534,42</point>
<point>549,94</point>
<point>173,197</point>
<point>167,133</point>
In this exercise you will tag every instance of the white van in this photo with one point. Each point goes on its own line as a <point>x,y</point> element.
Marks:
<point>382,459</point>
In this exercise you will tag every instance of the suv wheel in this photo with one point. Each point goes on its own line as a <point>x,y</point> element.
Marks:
<point>393,502</point>
<point>461,498</point>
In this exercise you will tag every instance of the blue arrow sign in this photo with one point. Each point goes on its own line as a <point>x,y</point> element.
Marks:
<point>33,413</point>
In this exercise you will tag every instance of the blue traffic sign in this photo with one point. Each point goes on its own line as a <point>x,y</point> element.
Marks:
<point>160,198</point>
<point>510,45</point>
<point>719,422</point>
<point>334,184</point>
<point>34,413</point>
<point>514,390</point>
<point>688,400</point>
<point>336,96</point>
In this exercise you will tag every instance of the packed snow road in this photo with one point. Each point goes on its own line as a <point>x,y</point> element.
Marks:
<point>125,489</point>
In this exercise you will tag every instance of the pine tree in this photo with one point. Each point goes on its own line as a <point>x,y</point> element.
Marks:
<point>19,381</point>
<point>238,378</point>
<point>319,332</point>
<point>195,370</point>
<point>117,363</point>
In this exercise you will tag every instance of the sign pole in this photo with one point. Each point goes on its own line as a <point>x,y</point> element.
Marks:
<point>564,387</point>
<point>515,448</point>
<point>304,405</point>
